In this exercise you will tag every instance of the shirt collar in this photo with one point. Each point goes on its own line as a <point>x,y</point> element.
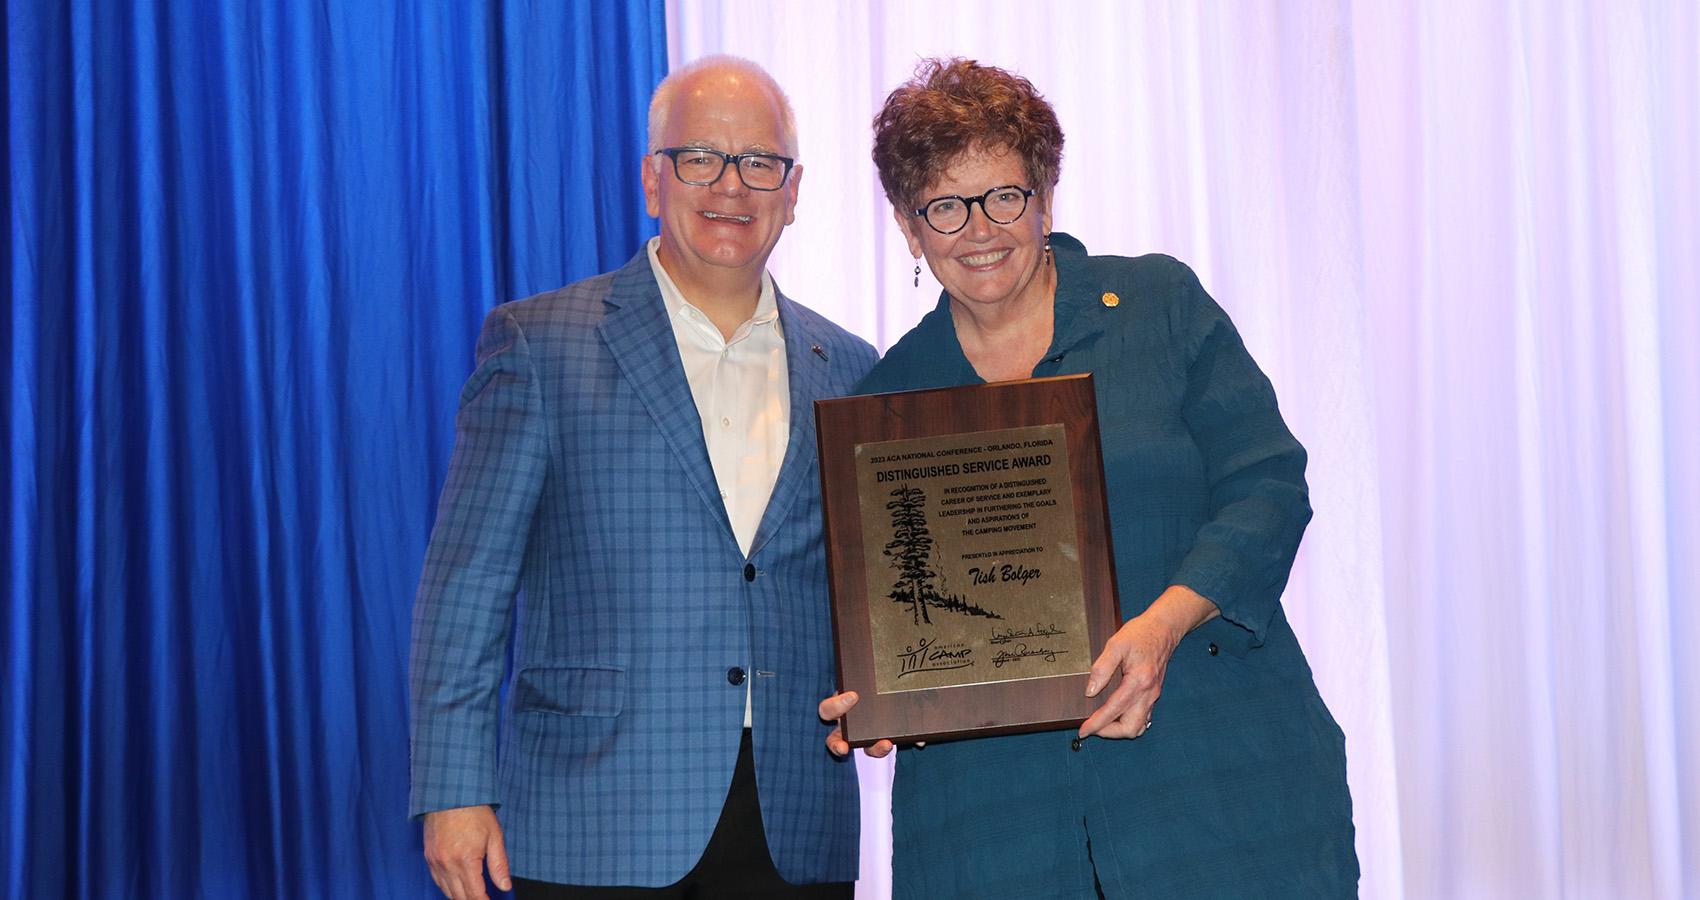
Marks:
<point>767,306</point>
<point>1078,295</point>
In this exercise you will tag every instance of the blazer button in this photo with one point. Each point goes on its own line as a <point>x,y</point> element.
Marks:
<point>1074,745</point>
<point>735,675</point>
<point>1213,650</point>
<point>749,571</point>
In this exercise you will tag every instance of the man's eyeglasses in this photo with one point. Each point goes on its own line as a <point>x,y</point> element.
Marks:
<point>702,166</point>
<point>949,214</point>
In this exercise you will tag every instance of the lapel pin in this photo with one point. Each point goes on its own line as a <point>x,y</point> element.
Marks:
<point>815,348</point>
<point>1111,300</point>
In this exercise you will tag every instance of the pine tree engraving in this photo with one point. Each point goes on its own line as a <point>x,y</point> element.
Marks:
<point>911,554</point>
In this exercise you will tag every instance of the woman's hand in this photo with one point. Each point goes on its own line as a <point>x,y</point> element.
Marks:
<point>832,709</point>
<point>1140,652</point>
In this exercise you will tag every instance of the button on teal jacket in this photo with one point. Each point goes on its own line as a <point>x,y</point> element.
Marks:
<point>1239,788</point>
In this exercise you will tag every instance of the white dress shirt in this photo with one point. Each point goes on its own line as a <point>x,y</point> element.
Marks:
<point>742,392</point>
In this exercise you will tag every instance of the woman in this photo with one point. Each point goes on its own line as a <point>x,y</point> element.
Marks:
<point>1213,768</point>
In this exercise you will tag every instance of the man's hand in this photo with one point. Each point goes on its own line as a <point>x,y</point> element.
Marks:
<point>832,709</point>
<point>458,843</point>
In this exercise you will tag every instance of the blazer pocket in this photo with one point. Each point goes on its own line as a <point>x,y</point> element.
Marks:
<point>571,690</point>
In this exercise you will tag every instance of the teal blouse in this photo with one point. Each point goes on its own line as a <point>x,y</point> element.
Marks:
<point>1239,788</point>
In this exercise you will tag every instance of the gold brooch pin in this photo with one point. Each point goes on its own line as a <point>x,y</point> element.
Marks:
<point>1111,300</point>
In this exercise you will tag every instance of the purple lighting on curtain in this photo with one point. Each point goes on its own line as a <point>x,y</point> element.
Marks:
<point>1460,238</point>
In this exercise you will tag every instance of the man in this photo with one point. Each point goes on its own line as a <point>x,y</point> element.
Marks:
<point>637,453</point>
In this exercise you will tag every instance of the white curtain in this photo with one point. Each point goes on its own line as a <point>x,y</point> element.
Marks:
<point>1462,239</point>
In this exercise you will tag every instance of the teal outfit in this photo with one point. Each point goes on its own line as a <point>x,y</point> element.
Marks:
<point>1239,788</point>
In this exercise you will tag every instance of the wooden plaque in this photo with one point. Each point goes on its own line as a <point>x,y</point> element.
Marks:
<point>968,551</point>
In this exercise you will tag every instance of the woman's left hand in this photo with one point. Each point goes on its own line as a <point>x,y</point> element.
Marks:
<point>1140,651</point>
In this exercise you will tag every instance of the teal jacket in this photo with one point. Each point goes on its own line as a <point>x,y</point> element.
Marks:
<point>1239,788</point>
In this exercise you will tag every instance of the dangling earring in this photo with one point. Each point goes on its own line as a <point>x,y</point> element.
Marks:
<point>1047,249</point>
<point>917,274</point>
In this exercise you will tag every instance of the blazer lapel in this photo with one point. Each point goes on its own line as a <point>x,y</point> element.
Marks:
<point>640,338</point>
<point>806,372</point>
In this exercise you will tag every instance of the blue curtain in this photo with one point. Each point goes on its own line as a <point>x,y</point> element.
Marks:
<point>250,247</point>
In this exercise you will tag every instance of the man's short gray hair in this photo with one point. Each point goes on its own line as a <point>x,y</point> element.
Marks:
<point>661,104</point>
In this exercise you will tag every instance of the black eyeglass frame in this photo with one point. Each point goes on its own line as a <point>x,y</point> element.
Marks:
<point>735,160</point>
<point>968,205</point>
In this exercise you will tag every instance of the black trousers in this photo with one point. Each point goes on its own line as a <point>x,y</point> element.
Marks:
<point>736,864</point>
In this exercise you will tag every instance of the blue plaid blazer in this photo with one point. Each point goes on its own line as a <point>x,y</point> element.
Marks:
<point>581,517</point>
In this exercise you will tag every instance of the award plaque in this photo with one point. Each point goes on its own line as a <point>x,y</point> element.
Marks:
<point>968,551</point>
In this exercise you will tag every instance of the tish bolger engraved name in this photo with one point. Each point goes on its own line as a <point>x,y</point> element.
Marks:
<point>926,655</point>
<point>1005,572</point>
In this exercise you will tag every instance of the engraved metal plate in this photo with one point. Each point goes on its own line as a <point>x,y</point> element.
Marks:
<point>979,560</point>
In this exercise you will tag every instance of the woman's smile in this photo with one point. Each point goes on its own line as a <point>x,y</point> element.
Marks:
<point>985,261</point>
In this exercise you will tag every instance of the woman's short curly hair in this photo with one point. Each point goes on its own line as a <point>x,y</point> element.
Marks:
<point>955,106</point>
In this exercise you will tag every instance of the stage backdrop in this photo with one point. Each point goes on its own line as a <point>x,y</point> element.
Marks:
<point>250,247</point>
<point>1461,238</point>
